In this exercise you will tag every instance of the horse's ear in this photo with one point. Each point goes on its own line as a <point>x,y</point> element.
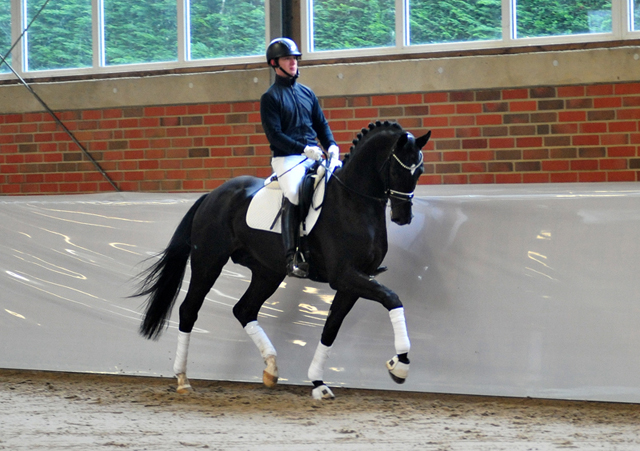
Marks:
<point>403,140</point>
<point>422,141</point>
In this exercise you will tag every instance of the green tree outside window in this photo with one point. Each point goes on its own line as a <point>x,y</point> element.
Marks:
<point>434,22</point>
<point>227,28</point>
<point>60,38</point>
<point>140,32</point>
<point>353,24</point>
<point>535,18</point>
<point>5,33</point>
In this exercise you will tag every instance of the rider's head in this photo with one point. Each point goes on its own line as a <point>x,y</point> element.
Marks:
<point>283,55</point>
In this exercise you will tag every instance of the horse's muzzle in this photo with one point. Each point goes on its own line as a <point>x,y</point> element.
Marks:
<point>401,215</point>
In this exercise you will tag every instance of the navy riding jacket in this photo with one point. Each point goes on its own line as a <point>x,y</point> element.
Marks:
<point>292,118</point>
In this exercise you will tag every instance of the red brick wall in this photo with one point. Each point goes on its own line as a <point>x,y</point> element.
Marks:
<point>536,135</point>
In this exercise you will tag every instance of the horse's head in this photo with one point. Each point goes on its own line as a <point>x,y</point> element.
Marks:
<point>405,167</point>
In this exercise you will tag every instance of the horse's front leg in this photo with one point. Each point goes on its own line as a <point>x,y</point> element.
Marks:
<point>365,286</point>
<point>340,307</point>
<point>398,366</point>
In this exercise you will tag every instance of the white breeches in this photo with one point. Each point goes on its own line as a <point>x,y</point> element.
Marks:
<point>290,171</point>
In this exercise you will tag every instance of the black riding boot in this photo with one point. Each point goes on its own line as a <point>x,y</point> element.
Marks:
<point>296,266</point>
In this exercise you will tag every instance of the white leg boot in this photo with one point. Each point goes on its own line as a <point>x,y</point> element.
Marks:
<point>180,364</point>
<point>316,373</point>
<point>399,370</point>
<point>267,351</point>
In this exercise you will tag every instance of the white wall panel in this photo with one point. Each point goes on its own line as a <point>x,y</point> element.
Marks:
<point>509,290</point>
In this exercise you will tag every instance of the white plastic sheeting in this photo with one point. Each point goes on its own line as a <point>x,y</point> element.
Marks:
<point>509,290</point>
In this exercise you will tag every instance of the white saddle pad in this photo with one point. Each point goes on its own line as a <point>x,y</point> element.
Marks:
<point>266,204</point>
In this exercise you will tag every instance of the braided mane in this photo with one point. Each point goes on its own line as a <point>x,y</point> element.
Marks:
<point>364,133</point>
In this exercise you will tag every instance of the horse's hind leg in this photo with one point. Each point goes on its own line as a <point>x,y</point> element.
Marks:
<point>199,286</point>
<point>263,284</point>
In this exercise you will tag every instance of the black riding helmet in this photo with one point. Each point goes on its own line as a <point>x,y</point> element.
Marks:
<point>280,47</point>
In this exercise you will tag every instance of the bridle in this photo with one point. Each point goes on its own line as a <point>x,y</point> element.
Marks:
<point>389,193</point>
<point>399,195</point>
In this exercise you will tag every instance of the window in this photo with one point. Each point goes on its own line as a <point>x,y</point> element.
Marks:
<point>86,35</point>
<point>454,21</point>
<point>353,24</point>
<point>536,18</point>
<point>140,31</point>
<point>226,28</point>
<point>5,33</point>
<point>405,26</point>
<point>60,37</point>
<point>97,35</point>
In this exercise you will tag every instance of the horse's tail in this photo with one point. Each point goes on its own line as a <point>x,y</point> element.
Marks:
<point>162,281</point>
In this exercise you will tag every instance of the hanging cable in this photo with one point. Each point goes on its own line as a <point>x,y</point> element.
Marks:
<point>46,107</point>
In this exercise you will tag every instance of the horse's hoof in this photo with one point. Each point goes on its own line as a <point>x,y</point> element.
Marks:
<point>270,373</point>
<point>322,392</point>
<point>398,370</point>
<point>184,387</point>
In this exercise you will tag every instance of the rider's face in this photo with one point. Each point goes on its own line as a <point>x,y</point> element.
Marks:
<point>289,64</point>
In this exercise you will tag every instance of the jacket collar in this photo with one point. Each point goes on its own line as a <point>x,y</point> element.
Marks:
<point>285,81</point>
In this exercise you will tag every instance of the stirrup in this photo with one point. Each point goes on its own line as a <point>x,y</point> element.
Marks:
<point>297,268</point>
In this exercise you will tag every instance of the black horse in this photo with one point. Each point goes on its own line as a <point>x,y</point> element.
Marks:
<point>346,247</point>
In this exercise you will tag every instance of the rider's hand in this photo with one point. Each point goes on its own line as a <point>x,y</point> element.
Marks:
<point>334,154</point>
<point>334,151</point>
<point>313,152</point>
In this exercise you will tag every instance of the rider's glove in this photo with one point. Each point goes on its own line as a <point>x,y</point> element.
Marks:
<point>313,152</point>
<point>334,153</point>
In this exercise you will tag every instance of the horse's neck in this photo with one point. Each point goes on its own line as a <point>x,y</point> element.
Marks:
<point>364,172</point>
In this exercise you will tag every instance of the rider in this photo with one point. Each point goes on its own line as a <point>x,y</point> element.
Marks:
<point>294,123</point>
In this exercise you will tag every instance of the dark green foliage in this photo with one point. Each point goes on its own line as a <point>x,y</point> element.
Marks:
<point>349,24</point>
<point>340,24</point>
<point>140,31</point>
<point>136,31</point>
<point>562,17</point>
<point>61,35</point>
<point>226,28</point>
<point>5,32</point>
<point>146,31</point>
<point>455,21</point>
